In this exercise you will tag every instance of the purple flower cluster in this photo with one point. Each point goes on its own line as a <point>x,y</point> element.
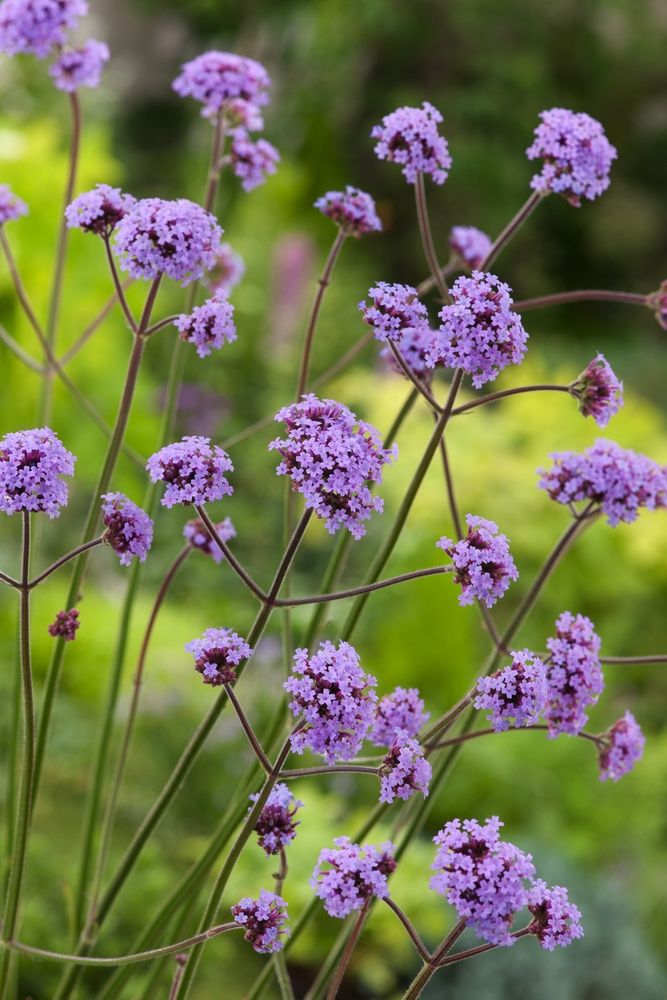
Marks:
<point>228,271</point>
<point>404,769</point>
<point>479,331</point>
<point>217,655</point>
<point>330,456</point>
<point>80,67</point>
<point>556,921</point>
<point>574,676</point>
<point>335,698</point>
<point>99,211</point>
<point>355,874</point>
<point>616,480</point>
<point>11,206</point>
<point>129,530</point>
<point>264,921</point>
<point>208,326</point>
<point>216,78</point>
<point>275,826</point>
<point>577,155</point>
<point>32,464</point>
<point>620,748</point>
<point>402,709</point>
<point>415,346</point>
<point>470,245</point>
<point>599,392</point>
<point>252,160</point>
<point>483,563</point>
<point>193,470</point>
<point>65,625</point>
<point>196,533</point>
<point>393,311</point>
<point>516,695</point>
<point>174,238</point>
<point>37,26</point>
<point>482,876</point>
<point>353,210</point>
<point>410,137</point>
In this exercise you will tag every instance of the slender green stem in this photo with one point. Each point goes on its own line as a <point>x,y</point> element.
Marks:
<point>465,737</point>
<point>427,238</point>
<point>503,393</point>
<point>229,556</point>
<point>64,560</point>
<point>13,756</point>
<point>368,588</point>
<point>305,772</point>
<point>341,968</point>
<point>431,967</point>
<point>583,295</point>
<point>447,720</point>
<point>247,729</point>
<point>650,658</point>
<point>18,351</point>
<point>511,229</point>
<point>461,956</point>
<point>410,375</point>
<point>421,948</point>
<point>323,283</point>
<point>120,294</point>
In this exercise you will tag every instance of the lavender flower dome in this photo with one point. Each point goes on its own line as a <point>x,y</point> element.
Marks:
<point>217,655</point>
<point>516,695</point>
<point>353,210</point>
<point>336,699</point>
<point>479,332</point>
<point>355,874</point>
<point>275,826</point>
<point>196,533</point>
<point>32,464</point>
<point>82,67</point>
<point>228,271</point>
<point>404,769</point>
<point>599,392</point>
<point>483,563</point>
<point>620,748</point>
<point>330,456</point>
<point>193,470</point>
<point>252,161</point>
<point>11,206</point>
<point>65,625</point>
<point>470,245</point>
<point>415,346</point>
<point>129,530</point>
<point>37,26</point>
<point>616,480</point>
<point>410,137</point>
<point>402,709</point>
<point>174,238</point>
<point>577,155</point>
<point>556,921</point>
<point>99,211</point>
<point>215,78</point>
<point>208,326</point>
<point>393,310</point>
<point>264,921</point>
<point>574,675</point>
<point>481,876</point>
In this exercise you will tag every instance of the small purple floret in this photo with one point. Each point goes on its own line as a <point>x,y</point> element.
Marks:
<point>470,245</point>
<point>217,654</point>
<point>99,211</point>
<point>402,709</point>
<point>37,26</point>
<point>599,392</point>
<point>208,326</point>
<point>483,563</point>
<point>556,921</point>
<point>197,535</point>
<point>80,67</point>
<point>32,464</point>
<point>11,206</point>
<point>516,695</point>
<point>193,470</point>
<point>574,675</point>
<point>353,210</point>
<point>275,826</point>
<point>264,921</point>
<point>355,874</point>
<point>129,530</point>
<point>577,155</point>
<point>65,625</point>
<point>404,769</point>
<point>393,310</point>
<point>621,747</point>
<point>252,160</point>
<point>410,137</point>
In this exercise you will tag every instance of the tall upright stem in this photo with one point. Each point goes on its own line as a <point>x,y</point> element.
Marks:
<point>431,967</point>
<point>351,944</point>
<point>511,229</point>
<point>437,272</point>
<point>323,283</point>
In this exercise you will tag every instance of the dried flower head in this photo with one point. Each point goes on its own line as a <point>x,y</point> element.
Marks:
<point>599,392</point>
<point>208,326</point>
<point>193,470</point>
<point>217,654</point>
<point>556,921</point>
<point>264,921</point>
<point>217,78</point>
<point>354,875</point>
<point>197,535</point>
<point>620,748</point>
<point>402,709</point>
<point>483,563</point>
<point>577,155</point>
<point>11,206</point>
<point>470,245</point>
<point>80,67</point>
<point>32,464</point>
<point>99,211</point>
<point>37,26</point>
<point>252,161</point>
<point>404,769</point>
<point>353,210</point>
<point>129,530</point>
<point>516,695</point>
<point>394,310</point>
<point>275,826</point>
<point>65,625</point>
<point>574,675</point>
<point>410,137</point>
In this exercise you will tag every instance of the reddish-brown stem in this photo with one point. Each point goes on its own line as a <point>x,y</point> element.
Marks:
<point>350,945</point>
<point>583,295</point>
<point>511,228</point>
<point>65,559</point>
<point>455,740</point>
<point>408,372</point>
<point>167,321</point>
<point>461,956</point>
<point>448,718</point>
<point>427,238</point>
<point>9,580</point>
<point>430,966</point>
<point>422,950</point>
<point>229,557</point>
<point>340,595</point>
<point>649,658</point>
<point>324,281</point>
<point>120,294</point>
<point>248,730</point>
<point>307,772</point>
<point>502,393</point>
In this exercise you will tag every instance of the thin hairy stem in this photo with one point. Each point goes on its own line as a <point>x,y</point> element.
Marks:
<point>465,737</point>
<point>409,374</point>
<point>120,294</point>
<point>229,556</point>
<point>511,229</point>
<point>430,966</point>
<point>421,948</point>
<point>93,326</point>
<point>65,559</point>
<point>428,283</point>
<point>427,238</point>
<point>341,968</point>
<point>247,729</point>
<point>368,588</point>
<point>9,580</point>
<point>583,295</point>
<point>18,351</point>
<point>649,658</point>
<point>322,285</point>
<point>502,393</point>
<point>305,772</point>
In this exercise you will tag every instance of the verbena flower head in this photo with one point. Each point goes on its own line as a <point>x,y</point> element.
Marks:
<point>336,699</point>
<point>129,530</point>
<point>402,709</point>
<point>80,67</point>
<point>516,695</point>
<point>556,921</point>
<point>404,769</point>
<point>11,206</point>
<point>193,470</point>
<point>483,563</point>
<point>353,210</point>
<point>264,921</point>
<point>393,310</point>
<point>65,625</point>
<point>275,826</point>
<point>252,160</point>
<point>598,391</point>
<point>616,480</point>
<point>217,654</point>
<point>354,875</point>
<point>197,535</point>
<point>410,137</point>
<point>577,155</point>
<point>174,238</point>
<point>331,456</point>
<point>621,747</point>
<point>470,245</point>
<point>481,876</point>
<point>216,78</point>
<point>99,211</point>
<point>479,331</point>
<point>415,346</point>
<point>208,326</point>
<point>37,26</point>
<point>574,675</point>
<point>228,271</point>
<point>32,464</point>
